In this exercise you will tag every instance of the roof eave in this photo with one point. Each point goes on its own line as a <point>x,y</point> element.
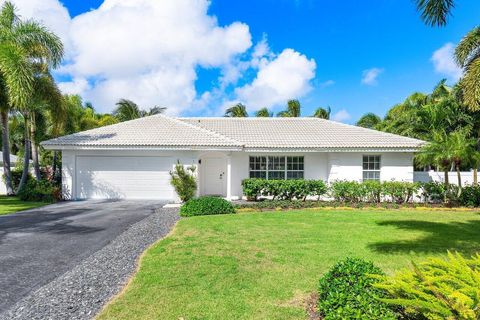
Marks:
<point>62,147</point>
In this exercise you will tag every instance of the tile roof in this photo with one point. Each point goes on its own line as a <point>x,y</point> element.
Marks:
<point>235,133</point>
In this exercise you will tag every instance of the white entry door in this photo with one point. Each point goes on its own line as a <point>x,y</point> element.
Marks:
<point>214,176</point>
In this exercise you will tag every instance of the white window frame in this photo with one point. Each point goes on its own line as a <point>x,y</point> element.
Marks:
<point>368,170</point>
<point>285,165</point>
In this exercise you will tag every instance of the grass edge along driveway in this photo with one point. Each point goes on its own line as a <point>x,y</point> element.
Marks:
<point>10,205</point>
<point>263,265</point>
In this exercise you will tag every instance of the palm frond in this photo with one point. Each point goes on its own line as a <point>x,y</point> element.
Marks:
<point>468,49</point>
<point>435,12</point>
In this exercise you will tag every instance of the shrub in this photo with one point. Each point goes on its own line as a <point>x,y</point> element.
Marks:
<point>206,206</point>
<point>438,288</point>
<point>283,189</point>
<point>39,190</point>
<point>400,192</point>
<point>347,292</point>
<point>470,196</point>
<point>184,182</point>
<point>347,191</point>
<point>433,191</point>
<point>373,191</point>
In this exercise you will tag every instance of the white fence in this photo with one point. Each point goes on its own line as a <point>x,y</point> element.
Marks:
<point>427,176</point>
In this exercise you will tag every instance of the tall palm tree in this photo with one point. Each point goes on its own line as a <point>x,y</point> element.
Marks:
<point>323,113</point>
<point>293,109</point>
<point>435,12</point>
<point>23,46</point>
<point>264,112</point>
<point>369,120</point>
<point>128,110</point>
<point>462,149</point>
<point>467,55</point>
<point>237,111</point>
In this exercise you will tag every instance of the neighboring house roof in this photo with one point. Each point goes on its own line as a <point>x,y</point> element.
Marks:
<point>302,133</point>
<point>13,158</point>
<point>308,134</point>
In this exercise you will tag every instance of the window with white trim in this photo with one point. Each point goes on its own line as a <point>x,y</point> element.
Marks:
<point>371,167</point>
<point>276,167</point>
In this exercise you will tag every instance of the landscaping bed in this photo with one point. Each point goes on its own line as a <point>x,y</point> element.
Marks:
<point>267,266</point>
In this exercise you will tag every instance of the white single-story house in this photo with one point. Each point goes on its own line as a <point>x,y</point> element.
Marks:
<point>132,160</point>
<point>13,163</point>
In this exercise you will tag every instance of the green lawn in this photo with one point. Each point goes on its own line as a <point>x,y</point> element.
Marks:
<point>262,265</point>
<point>13,204</point>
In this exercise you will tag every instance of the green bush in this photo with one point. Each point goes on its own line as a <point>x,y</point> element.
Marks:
<point>373,191</point>
<point>206,206</point>
<point>470,196</point>
<point>347,292</point>
<point>283,189</point>
<point>433,191</point>
<point>41,190</point>
<point>400,192</point>
<point>184,182</point>
<point>437,289</point>
<point>347,191</point>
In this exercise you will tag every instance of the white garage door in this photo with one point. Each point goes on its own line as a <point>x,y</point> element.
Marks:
<point>123,177</point>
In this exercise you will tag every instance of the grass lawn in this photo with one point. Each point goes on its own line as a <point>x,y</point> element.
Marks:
<point>262,265</point>
<point>13,204</point>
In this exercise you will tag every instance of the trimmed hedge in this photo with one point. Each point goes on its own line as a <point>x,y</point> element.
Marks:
<point>347,292</point>
<point>283,189</point>
<point>206,206</point>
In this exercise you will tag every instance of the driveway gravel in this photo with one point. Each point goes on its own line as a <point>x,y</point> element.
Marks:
<point>81,291</point>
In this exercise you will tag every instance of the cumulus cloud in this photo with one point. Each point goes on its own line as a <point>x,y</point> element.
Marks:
<point>327,83</point>
<point>341,116</point>
<point>369,76</point>
<point>444,63</point>
<point>284,77</point>
<point>150,51</point>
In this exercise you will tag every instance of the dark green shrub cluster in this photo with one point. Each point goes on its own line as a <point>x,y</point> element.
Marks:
<point>184,181</point>
<point>284,204</point>
<point>41,190</point>
<point>16,176</point>
<point>470,196</point>
<point>437,288</point>
<point>283,189</point>
<point>374,191</point>
<point>347,292</point>
<point>206,206</point>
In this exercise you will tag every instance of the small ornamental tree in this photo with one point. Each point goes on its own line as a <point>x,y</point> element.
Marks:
<point>184,181</point>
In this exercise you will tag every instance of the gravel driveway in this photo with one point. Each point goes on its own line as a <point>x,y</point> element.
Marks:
<point>64,261</point>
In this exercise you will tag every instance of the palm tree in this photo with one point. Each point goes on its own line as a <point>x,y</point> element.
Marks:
<point>369,120</point>
<point>462,148</point>
<point>128,110</point>
<point>293,109</point>
<point>24,45</point>
<point>468,58</point>
<point>323,113</point>
<point>237,111</point>
<point>263,113</point>
<point>435,12</point>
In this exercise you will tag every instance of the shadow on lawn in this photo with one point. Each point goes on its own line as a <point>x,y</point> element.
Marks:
<point>463,237</point>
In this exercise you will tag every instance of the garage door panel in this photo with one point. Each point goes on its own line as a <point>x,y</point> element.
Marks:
<point>124,177</point>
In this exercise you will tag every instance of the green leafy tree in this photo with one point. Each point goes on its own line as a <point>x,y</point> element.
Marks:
<point>293,109</point>
<point>184,181</point>
<point>264,112</point>
<point>128,110</point>
<point>323,113</point>
<point>237,111</point>
<point>435,12</point>
<point>27,49</point>
<point>369,120</point>
<point>468,58</point>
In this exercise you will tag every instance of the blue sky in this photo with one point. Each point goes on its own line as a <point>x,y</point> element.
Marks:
<point>344,38</point>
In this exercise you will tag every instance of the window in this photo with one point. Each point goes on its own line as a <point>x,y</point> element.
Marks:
<point>371,168</point>
<point>277,167</point>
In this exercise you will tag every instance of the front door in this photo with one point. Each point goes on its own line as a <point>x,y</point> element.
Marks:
<point>214,176</point>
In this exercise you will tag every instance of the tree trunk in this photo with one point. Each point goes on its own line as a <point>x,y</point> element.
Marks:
<point>54,165</point>
<point>26,159</point>
<point>475,177</point>
<point>6,153</point>
<point>459,178</point>
<point>446,178</point>
<point>36,166</point>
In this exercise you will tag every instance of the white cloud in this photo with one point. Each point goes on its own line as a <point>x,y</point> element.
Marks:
<point>341,116</point>
<point>327,83</point>
<point>369,76</point>
<point>150,51</point>
<point>284,77</point>
<point>444,63</point>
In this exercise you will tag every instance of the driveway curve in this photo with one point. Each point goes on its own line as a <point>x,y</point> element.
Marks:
<point>48,255</point>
